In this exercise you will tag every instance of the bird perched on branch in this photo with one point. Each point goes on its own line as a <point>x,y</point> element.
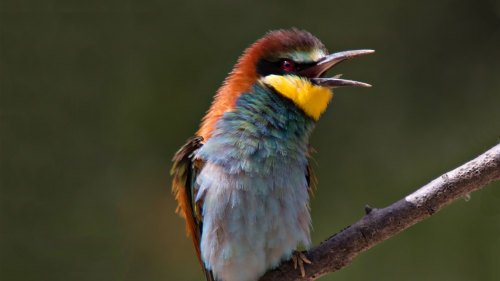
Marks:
<point>242,182</point>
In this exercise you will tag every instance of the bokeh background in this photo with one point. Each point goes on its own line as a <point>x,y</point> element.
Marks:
<point>97,95</point>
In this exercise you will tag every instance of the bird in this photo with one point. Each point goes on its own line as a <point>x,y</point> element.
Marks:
<point>243,181</point>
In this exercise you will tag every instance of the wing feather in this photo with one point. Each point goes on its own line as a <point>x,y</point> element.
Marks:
<point>185,170</point>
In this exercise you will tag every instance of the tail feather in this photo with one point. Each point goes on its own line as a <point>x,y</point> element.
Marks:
<point>209,275</point>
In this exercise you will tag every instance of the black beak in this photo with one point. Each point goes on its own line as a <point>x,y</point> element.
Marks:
<point>315,71</point>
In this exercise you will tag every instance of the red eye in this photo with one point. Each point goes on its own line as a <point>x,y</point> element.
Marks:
<point>287,65</point>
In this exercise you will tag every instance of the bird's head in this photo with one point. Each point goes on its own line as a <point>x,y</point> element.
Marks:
<point>292,62</point>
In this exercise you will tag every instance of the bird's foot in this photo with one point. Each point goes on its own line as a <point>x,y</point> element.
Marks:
<point>299,259</point>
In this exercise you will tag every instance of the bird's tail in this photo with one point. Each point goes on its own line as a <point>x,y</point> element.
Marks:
<point>209,275</point>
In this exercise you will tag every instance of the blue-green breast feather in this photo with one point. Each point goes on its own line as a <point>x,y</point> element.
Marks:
<point>253,187</point>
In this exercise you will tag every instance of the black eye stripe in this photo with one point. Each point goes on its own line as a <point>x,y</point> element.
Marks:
<point>265,67</point>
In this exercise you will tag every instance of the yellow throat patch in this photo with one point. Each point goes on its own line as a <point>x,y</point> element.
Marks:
<point>311,98</point>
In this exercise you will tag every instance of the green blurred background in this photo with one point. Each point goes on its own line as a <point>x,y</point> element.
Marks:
<point>96,96</point>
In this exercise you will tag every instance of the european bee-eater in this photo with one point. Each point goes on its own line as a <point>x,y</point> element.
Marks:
<point>242,182</point>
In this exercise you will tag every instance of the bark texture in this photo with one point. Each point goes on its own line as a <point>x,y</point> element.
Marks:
<point>380,224</point>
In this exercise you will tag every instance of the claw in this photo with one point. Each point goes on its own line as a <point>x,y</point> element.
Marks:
<point>299,259</point>
<point>304,258</point>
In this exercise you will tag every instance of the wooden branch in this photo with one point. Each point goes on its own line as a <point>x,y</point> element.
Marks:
<point>380,224</point>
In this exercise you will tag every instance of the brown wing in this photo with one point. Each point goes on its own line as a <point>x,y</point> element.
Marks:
<point>185,170</point>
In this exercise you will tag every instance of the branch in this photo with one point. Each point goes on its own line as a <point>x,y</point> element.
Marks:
<point>380,224</point>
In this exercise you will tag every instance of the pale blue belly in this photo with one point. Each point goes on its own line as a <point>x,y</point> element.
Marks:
<point>252,221</point>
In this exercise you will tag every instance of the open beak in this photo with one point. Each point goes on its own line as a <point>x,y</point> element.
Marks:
<point>315,71</point>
